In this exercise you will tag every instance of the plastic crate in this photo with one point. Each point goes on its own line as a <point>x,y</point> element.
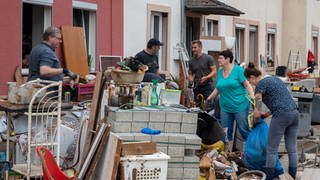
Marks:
<point>85,91</point>
<point>144,167</point>
<point>170,96</point>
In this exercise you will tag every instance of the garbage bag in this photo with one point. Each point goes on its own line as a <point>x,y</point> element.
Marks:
<point>256,149</point>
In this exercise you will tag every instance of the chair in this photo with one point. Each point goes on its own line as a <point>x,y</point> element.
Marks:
<point>50,168</point>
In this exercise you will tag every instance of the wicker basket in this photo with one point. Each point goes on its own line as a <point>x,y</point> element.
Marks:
<point>121,76</point>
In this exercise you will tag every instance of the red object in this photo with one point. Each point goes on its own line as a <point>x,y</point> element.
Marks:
<point>310,56</point>
<point>85,89</point>
<point>50,168</point>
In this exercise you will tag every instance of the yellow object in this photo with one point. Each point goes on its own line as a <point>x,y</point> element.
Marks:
<point>201,178</point>
<point>295,88</point>
<point>250,116</point>
<point>219,146</point>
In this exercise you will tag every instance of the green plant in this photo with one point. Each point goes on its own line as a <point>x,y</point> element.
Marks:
<point>176,80</point>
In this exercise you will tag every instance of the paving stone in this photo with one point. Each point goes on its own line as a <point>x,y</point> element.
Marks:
<point>175,165</point>
<point>141,116</point>
<point>191,118</point>
<point>175,117</point>
<point>157,126</point>
<point>192,139</point>
<point>175,173</point>
<point>121,127</point>
<point>163,149</point>
<point>176,138</point>
<point>172,127</point>
<point>190,173</point>
<point>125,136</point>
<point>188,128</point>
<point>120,116</point>
<point>141,137</point>
<point>176,150</point>
<point>191,162</point>
<point>162,138</point>
<point>157,116</point>
<point>137,126</point>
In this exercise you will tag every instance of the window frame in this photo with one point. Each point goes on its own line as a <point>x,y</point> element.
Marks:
<point>271,45</point>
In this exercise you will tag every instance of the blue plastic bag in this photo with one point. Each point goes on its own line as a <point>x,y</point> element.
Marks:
<point>256,149</point>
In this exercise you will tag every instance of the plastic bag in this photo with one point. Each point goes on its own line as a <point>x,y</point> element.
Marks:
<point>256,148</point>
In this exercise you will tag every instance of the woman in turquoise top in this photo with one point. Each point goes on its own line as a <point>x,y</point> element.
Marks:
<point>233,87</point>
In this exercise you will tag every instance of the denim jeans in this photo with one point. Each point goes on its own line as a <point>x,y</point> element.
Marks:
<point>285,124</point>
<point>227,120</point>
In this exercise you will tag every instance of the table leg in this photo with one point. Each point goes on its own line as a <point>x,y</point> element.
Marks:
<point>9,120</point>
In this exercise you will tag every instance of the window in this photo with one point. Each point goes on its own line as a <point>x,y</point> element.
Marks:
<point>87,20</point>
<point>239,51</point>
<point>271,35</point>
<point>158,30</point>
<point>253,44</point>
<point>212,28</point>
<point>35,19</point>
<point>314,45</point>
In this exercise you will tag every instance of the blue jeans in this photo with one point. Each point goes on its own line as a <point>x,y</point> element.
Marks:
<point>285,124</point>
<point>227,121</point>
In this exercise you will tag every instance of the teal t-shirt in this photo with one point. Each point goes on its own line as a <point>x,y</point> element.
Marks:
<point>232,92</point>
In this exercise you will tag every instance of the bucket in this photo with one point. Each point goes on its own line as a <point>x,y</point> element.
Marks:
<point>248,174</point>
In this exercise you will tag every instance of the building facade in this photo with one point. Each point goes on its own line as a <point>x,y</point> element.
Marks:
<point>23,22</point>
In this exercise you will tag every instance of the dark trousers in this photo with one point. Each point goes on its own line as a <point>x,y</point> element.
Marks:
<point>205,90</point>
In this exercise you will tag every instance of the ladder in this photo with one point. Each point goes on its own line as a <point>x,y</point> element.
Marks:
<point>294,60</point>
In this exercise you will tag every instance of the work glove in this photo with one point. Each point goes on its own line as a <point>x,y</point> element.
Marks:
<point>69,73</point>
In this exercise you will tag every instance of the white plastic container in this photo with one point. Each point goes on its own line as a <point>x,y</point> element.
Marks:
<point>170,96</point>
<point>145,167</point>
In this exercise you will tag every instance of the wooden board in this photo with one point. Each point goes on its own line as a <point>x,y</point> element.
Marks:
<point>74,51</point>
<point>138,148</point>
<point>97,155</point>
<point>107,167</point>
<point>96,101</point>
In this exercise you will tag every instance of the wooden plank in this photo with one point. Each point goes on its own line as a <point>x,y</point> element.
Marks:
<point>92,151</point>
<point>138,148</point>
<point>75,55</point>
<point>109,160</point>
<point>96,101</point>
<point>97,155</point>
<point>18,76</point>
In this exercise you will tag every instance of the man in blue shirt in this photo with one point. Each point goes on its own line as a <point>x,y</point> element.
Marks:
<point>44,63</point>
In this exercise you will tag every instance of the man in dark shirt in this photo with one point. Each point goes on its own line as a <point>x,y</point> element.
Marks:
<point>201,71</point>
<point>149,57</point>
<point>44,63</point>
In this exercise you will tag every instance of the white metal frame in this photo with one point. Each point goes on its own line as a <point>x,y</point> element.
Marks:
<point>44,117</point>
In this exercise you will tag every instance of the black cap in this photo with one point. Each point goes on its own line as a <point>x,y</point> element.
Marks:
<point>154,42</point>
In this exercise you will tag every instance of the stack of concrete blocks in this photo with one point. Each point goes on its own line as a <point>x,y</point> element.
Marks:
<point>178,136</point>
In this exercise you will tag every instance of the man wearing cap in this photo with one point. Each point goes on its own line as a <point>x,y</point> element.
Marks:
<point>149,57</point>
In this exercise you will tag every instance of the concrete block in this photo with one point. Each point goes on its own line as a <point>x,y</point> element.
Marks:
<point>157,126</point>
<point>172,127</point>
<point>188,128</point>
<point>160,138</point>
<point>121,127</point>
<point>157,116</point>
<point>176,138</point>
<point>177,160</point>
<point>120,116</point>
<point>137,126</point>
<point>190,173</point>
<point>141,116</point>
<point>141,137</point>
<point>176,150</point>
<point>175,173</point>
<point>175,117</point>
<point>191,118</point>
<point>191,162</point>
<point>192,139</point>
<point>175,165</point>
<point>163,149</point>
<point>126,137</point>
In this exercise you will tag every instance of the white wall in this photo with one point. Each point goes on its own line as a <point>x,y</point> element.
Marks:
<point>135,27</point>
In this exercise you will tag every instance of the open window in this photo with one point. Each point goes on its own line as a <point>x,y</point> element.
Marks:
<point>239,45</point>
<point>35,19</point>
<point>159,30</point>
<point>86,18</point>
<point>253,44</point>
<point>270,56</point>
